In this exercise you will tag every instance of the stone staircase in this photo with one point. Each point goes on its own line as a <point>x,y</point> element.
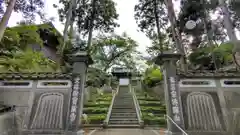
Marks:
<point>123,111</point>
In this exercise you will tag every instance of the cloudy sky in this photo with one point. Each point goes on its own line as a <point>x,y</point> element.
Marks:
<point>125,8</point>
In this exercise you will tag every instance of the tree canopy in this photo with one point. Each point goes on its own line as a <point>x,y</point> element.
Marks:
<point>113,50</point>
<point>104,18</point>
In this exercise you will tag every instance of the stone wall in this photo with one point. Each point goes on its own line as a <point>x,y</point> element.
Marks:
<point>210,105</point>
<point>30,98</point>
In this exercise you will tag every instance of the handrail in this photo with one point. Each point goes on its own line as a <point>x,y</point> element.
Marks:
<point>137,107</point>
<point>110,108</point>
<point>169,118</point>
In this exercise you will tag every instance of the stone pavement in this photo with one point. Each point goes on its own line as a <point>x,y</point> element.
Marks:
<point>126,132</point>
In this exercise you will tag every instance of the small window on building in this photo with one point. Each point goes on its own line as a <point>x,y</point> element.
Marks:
<point>236,82</point>
<point>15,83</point>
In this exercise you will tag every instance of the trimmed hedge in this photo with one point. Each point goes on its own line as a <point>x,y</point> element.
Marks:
<point>95,119</point>
<point>98,104</point>
<point>152,103</point>
<point>152,109</point>
<point>97,109</point>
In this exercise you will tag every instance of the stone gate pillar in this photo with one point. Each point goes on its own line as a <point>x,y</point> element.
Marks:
<point>171,90</point>
<point>80,61</point>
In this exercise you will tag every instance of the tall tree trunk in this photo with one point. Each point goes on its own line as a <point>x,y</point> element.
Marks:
<point>91,25</point>
<point>206,31</point>
<point>68,22</point>
<point>158,24</point>
<point>6,16</point>
<point>227,21</point>
<point>176,34</point>
<point>230,31</point>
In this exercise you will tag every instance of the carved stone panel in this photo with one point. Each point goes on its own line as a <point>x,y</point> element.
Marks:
<point>48,109</point>
<point>202,111</point>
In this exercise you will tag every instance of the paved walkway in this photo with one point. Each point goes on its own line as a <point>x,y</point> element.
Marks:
<point>125,132</point>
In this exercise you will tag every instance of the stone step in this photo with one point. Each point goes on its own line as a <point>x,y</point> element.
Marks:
<point>129,102</point>
<point>124,114</point>
<point>123,119</point>
<point>123,122</point>
<point>123,126</point>
<point>124,103</point>
<point>119,96</point>
<point>132,111</point>
<point>124,98</point>
<point>123,111</point>
<point>126,120</point>
<point>123,107</point>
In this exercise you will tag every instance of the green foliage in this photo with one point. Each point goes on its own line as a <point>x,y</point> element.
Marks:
<point>96,77</point>
<point>113,50</point>
<point>16,53</point>
<point>152,76</point>
<point>202,58</point>
<point>146,18</point>
<point>29,8</point>
<point>151,119</point>
<point>94,110</point>
<point>152,19</point>
<point>26,61</point>
<point>105,16</point>
<point>28,34</point>
<point>157,103</point>
<point>21,36</point>
<point>10,40</point>
<point>94,119</point>
<point>97,104</point>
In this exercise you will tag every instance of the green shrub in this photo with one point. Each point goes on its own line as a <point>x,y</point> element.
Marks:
<point>150,103</point>
<point>95,118</point>
<point>152,114</point>
<point>97,104</point>
<point>154,109</point>
<point>104,99</point>
<point>159,122</point>
<point>151,119</point>
<point>94,110</point>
